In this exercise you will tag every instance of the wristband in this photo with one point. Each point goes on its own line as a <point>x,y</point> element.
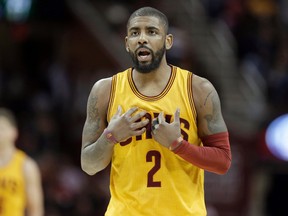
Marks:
<point>109,136</point>
<point>176,143</point>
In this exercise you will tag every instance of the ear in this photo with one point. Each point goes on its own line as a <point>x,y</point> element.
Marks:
<point>126,45</point>
<point>169,41</point>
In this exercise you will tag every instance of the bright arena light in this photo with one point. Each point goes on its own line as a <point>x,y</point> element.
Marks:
<point>277,137</point>
<point>18,10</point>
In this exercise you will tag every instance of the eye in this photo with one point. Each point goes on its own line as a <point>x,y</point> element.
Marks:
<point>134,33</point>
<point>152,32</point>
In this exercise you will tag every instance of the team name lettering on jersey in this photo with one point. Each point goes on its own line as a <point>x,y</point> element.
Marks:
<point>9,185</point>
<point>148,135</point>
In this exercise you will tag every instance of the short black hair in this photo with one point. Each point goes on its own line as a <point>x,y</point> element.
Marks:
<point>149,11</point>
<point>7,114</point>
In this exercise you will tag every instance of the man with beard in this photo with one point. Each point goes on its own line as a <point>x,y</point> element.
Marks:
<point>160,126</point>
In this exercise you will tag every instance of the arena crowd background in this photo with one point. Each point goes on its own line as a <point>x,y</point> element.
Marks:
<point>53,51</point>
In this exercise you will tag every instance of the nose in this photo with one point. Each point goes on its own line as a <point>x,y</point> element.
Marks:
<point>142,39</point>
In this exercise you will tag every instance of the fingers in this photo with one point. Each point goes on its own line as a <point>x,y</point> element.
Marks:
<point>119,110</point>
<point>155,124</point>
<point>161,118</point>
<point>140,124</point>
<point>137,116</point>
<point>139,132</point>
<point>137,124</point>
<point>136,121</point>
<point>157,121</point>
<point>131,117</point>
<point>129,113</point>
<point>177,116</point>
<point>160,121</point>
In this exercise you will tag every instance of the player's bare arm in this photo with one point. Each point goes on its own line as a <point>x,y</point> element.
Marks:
<point>96,148</point>
<point>35,204</point>
<point>210,120</point>
<point>215,155</point>
<point>207,103</point>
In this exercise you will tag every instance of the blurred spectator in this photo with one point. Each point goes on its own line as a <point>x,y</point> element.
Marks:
<point>278,77</point>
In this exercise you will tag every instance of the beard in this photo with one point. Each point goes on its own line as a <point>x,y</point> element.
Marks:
<point>148,67</point>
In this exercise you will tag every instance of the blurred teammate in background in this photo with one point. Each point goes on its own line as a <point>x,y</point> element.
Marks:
<point>20,181</point>
<point>161,126</point>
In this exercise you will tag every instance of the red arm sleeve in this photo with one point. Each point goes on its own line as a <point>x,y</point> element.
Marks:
<point>214,155</point>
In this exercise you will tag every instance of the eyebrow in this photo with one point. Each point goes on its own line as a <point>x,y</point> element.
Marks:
<point>137,28</point>
<point>152,28</point>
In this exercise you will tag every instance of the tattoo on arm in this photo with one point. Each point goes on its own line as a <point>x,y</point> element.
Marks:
<point>207,97</point>
<point>213,118</point>
<point>93,120</point>
<point>93,112</point>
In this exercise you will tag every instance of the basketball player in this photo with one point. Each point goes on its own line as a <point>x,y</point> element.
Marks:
<point>20,183</point>
<point>160,125</point>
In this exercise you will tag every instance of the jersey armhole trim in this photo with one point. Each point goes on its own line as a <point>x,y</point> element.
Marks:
<point>112,96</point>
<point>190,95</point>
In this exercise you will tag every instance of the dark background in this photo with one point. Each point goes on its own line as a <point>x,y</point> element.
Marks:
<point>52,54</point>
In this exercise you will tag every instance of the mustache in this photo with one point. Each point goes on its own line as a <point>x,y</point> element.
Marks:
<point>142,46</point>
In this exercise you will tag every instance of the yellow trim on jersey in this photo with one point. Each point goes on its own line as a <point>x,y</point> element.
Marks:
<point>112,94</point>
<point>190,95</point>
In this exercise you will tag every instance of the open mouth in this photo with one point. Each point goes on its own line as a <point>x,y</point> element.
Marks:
<point>144,54</point>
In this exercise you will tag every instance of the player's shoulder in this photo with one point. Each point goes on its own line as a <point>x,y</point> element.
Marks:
<point>19,155</point>
<point>201,84</point>
<point>101,86</point>
<point>201,88</point>
<point>30,165</point>
<point>104,85</point>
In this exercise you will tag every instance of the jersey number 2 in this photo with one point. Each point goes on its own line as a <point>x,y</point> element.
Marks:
<point>157,164</point>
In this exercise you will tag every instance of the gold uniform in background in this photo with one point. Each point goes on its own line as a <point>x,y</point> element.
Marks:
<point>12,186</point>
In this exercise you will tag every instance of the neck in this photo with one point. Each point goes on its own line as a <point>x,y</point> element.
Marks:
<point>159,74</point>
<point>6,153</point>
<point>154,82</point>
